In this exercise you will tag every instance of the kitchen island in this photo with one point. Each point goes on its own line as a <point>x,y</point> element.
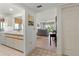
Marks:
<point>12,39</point>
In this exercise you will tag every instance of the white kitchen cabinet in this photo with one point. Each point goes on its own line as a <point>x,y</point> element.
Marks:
<point>16,43</point>
<point>10,42</point>
<point>19,44</point>
<point>2,39</point>
<point>13,41</point>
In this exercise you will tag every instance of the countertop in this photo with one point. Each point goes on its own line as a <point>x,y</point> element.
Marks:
<point>12,32</point>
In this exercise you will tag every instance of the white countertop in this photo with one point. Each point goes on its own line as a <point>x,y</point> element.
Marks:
<point>13,32</point>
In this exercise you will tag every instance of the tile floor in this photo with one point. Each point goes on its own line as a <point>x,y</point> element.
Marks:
<point>42,52</point>
<point>6,51</point>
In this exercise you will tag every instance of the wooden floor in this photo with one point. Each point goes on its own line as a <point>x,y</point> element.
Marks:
<point>42,52</point>
<point>43,47</point>
<point>44,43</point>
<point>6,51</point>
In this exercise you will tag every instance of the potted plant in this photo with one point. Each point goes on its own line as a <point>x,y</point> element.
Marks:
<point>50,29</point>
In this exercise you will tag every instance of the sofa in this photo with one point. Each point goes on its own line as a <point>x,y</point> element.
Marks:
<point>42,32</point>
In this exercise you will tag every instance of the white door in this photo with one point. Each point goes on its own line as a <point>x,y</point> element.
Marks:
<point>71,30</point>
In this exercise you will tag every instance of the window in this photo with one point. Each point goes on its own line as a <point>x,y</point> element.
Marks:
<point>18,24</point>
<point>1,24</point>
<point>18,27</point>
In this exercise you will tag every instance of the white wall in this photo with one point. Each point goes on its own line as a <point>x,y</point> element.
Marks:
<point>2,16</point>
<point>59,32</point>
<point>9,20</point>
<point>30,32</point>
<point>46,16</point>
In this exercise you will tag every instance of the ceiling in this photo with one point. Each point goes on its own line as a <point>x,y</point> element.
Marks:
<point>9,9</point>
<point>5,7</point>
<point>45,6</point>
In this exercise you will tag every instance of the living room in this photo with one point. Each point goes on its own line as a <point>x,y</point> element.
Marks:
<point>46,25</point>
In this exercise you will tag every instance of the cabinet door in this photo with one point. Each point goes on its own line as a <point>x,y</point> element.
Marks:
<point>10,42</point>
<point>4,40</point>
<point>19,44</point>
<point>1,38</point>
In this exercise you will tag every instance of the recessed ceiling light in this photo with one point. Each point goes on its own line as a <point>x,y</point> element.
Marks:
<point>11,9</point>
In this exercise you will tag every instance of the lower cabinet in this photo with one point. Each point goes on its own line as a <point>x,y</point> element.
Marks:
<point>10,42</point>
<point>19,44</point>
<point>14,43</point>
<point>1,39</point>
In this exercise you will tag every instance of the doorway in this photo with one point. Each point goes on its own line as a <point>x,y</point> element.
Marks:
<point>47,35</point>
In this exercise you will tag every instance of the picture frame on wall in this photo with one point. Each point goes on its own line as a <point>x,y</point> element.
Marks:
<point>30,20</point>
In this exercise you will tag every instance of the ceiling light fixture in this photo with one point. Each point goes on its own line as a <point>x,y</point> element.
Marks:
<point>11,9</point>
